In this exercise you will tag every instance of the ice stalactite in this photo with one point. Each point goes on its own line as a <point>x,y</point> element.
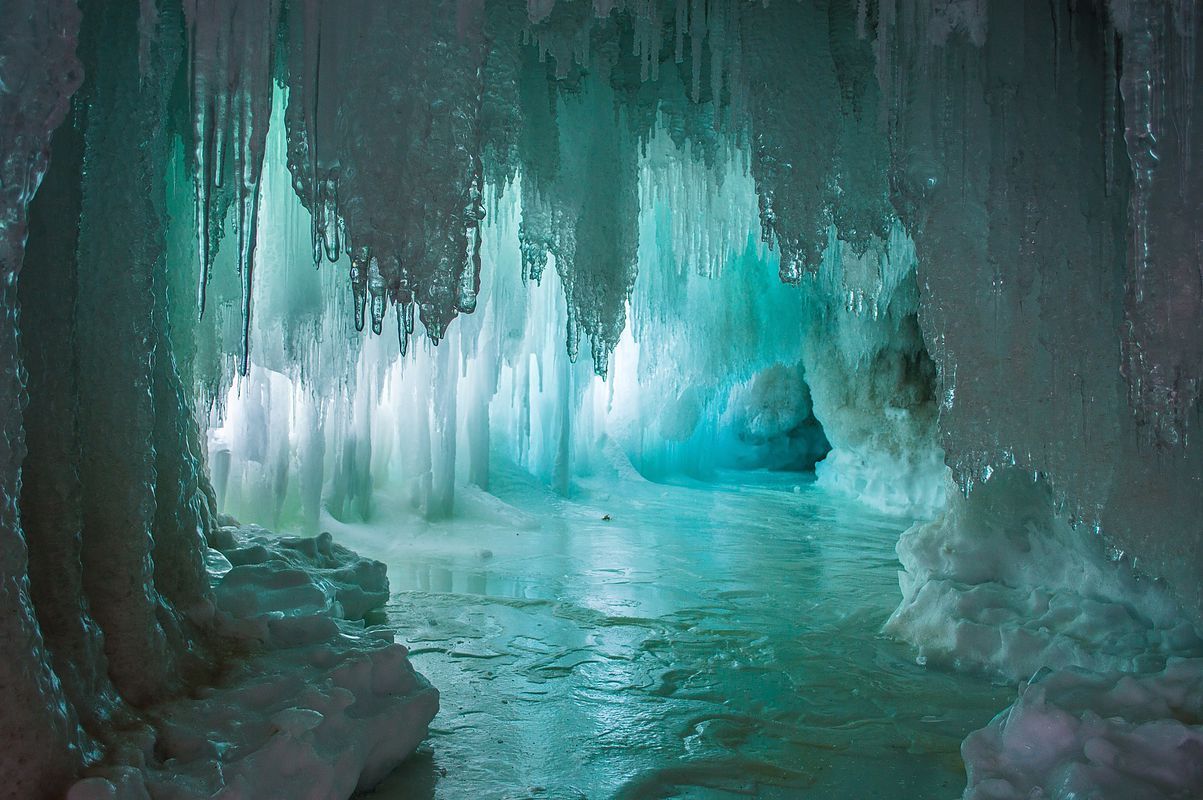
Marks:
<point>1000,136</point>
<point>117,602</point>
<point>794,142</point>
<point>404,80</point>
<point>583,214</point>
<point>126,145</point>
<point>1011,178</point>
<point>50,485</point>
<point>231,49</point>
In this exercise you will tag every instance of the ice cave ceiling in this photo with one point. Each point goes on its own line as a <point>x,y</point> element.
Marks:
<point>1039,155</point>
<point>1009,189</point>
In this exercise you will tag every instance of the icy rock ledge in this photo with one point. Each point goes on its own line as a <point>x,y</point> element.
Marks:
<point>320,705</point>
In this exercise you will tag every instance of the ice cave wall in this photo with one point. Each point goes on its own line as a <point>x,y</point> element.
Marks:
<point>40,75</point>
<point>1040,159</point>
<point>1033,230</point>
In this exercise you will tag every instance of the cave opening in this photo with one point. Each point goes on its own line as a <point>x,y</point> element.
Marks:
<point>600,398</point>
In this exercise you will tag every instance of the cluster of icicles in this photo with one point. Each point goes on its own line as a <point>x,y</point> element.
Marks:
<point>400,114</point>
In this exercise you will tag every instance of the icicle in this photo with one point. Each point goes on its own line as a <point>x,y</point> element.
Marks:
<point>697,35</point>
<point>679,21</point>
<point>1110,108</point>
<point>327,223</point>
<point>230,60</point>
<point>359,282</point>
<point>405,324</point>
<point>376,289</point>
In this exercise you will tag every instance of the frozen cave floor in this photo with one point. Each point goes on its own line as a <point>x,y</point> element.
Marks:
<point>649,640</point>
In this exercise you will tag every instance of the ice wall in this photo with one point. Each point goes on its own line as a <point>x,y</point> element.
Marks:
<point>985,205</point>
<point>39,74</point>
<point>935,117</point>
<point>719,364</point>
<point>1019,193</point>
<point>988,208</point>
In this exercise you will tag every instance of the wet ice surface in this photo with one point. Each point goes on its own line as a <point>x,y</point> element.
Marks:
<point>705,642</point>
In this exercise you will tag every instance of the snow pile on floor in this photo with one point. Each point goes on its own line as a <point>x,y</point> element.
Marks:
<point>912,484</point>
<point>999,582</point>
<point>322,705</point>
<point>1074,735</point>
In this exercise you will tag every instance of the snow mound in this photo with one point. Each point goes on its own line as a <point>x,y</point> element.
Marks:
<point>909,485</point>
<point>1074,735</point>
<point>318,705</point>
<point>1000,583</point>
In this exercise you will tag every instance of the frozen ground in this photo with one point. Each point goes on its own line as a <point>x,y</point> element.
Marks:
<point>704,642</point>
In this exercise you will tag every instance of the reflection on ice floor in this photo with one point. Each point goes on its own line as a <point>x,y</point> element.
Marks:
<point>704,642</point>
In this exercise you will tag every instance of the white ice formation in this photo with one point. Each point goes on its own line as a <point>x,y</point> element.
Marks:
<point>320,703</point>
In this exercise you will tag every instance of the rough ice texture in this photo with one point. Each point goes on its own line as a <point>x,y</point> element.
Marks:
<point>1163,302</point>
<point>40,742</point>
<point>402,79</point>
<point>871,379</point>
<point>1112,736</point>
<point>972,123</point>
<point>1054,295</point>
<point>111,609</point>
<point>1001,582</point>
<point>772,422</point>
<point>125,144</point>
<point>1013,177</point>
<point>321,704</point>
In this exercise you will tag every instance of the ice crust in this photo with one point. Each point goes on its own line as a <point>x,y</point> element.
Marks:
<point>318,703</point>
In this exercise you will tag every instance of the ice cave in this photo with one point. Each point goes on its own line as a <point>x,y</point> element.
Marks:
<point>633,399</point>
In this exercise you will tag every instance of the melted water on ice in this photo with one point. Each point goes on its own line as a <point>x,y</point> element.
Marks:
<point>704,641</point>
